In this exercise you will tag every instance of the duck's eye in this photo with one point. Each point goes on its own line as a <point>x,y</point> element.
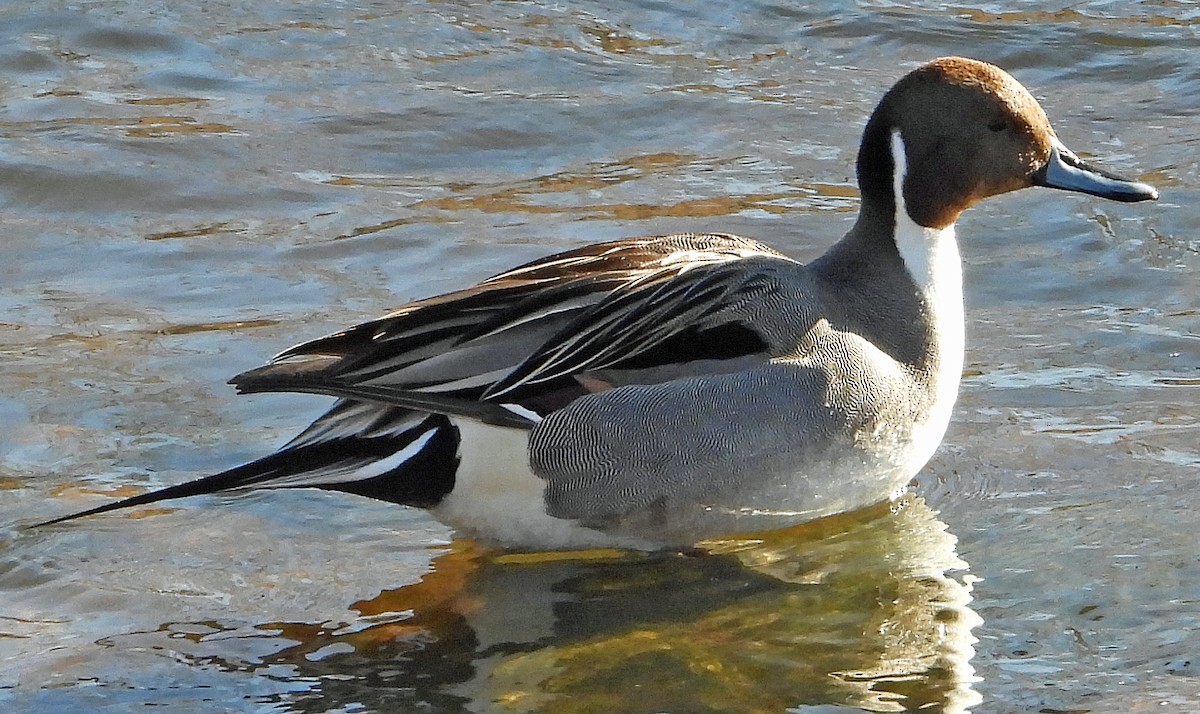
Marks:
<point>997,125</point>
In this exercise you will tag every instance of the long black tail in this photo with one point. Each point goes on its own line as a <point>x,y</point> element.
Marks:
<point>371,450</point>
<point>240,477</point>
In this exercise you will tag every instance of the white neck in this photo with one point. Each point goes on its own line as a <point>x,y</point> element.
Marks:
<point>931,257</point>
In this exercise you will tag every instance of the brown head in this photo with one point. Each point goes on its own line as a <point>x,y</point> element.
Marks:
<point>970,131</point>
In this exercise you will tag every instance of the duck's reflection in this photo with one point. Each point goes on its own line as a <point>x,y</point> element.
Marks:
<point>862,611</point>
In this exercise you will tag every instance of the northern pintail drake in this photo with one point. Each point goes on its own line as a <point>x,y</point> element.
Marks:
<point>652,392</point>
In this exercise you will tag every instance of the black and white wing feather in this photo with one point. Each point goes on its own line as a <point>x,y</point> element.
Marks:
<point>519,345</point>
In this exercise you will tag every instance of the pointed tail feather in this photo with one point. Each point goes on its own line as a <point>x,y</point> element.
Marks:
<point>385,453</point>
<point>240,477</point>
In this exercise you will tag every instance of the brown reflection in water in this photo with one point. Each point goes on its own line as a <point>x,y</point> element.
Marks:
<point>166,101</point>
<point>388,225</point>
<point>207,229</point>
<point>855,610</point>
<point>222,326</point>
<point>544,195</point>
<point>163,126</point>
<point>515,198</point>
<point>284,26</point>
<point>148,127</point>
<point>1071,16</point>
<point>618,43</point>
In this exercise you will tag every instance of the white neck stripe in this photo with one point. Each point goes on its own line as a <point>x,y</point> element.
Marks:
<point>899,173</point>
<point>931,257</point>
<point>930,254</point>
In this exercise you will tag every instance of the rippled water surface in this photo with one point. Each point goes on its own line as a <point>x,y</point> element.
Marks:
<point>188,188</point>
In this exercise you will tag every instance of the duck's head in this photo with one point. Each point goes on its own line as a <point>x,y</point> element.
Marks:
<point>960,131</point>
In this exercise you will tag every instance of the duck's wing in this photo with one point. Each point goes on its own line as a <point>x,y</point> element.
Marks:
<point>524,343</point>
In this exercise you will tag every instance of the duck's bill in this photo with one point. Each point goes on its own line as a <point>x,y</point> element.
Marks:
<point>1068,172</point>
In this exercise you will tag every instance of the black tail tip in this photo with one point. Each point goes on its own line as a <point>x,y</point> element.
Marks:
<point>73,516</point>
<point>140,500</point>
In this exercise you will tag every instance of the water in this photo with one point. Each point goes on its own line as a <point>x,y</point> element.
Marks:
<point>189,189</point>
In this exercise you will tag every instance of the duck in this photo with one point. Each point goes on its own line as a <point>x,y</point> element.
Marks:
<point>656,391</point>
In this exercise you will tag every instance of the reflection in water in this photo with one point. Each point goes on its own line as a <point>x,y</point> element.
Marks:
<point>856,610</point>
